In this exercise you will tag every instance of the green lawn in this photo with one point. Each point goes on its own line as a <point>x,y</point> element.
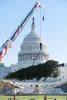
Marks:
<point>60,97</point>
<point>34,97</point>
<point>31,97</point>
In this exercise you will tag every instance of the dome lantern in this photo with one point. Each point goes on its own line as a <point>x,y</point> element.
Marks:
<point>33,26</point>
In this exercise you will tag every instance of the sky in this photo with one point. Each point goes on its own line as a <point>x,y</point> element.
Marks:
<point>53,29</point>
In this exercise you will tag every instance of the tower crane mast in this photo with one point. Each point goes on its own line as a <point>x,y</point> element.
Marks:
<point>4,48</point>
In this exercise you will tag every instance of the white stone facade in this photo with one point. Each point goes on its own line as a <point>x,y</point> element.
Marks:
<point>32,51</point>
<point>4,71</point>
<point>63,72</point>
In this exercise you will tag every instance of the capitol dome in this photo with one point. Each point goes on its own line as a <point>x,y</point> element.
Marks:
<point>32,50</point>
<point>31,37</point>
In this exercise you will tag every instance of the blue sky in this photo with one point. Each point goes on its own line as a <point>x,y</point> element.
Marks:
<point>54,28</point>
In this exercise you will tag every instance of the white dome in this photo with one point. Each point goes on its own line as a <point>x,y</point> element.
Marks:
<point>31,37</point>
<point>32,48</point>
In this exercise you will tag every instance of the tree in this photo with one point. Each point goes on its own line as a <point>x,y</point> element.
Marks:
<point>45,70</point>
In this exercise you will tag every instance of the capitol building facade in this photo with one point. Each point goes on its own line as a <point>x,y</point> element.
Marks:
<point>33,51</point>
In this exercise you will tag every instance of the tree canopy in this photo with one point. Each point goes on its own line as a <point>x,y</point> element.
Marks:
<point>48,69</point>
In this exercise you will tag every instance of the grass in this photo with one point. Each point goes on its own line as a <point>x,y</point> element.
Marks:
<point>58,97</point>
<point>34,97</point>
<point>30,97</point>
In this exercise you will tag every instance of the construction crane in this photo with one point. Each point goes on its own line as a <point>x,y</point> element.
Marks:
<point>8,44</point>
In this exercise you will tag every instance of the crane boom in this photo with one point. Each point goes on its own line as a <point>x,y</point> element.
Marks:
<point>8,43</point>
